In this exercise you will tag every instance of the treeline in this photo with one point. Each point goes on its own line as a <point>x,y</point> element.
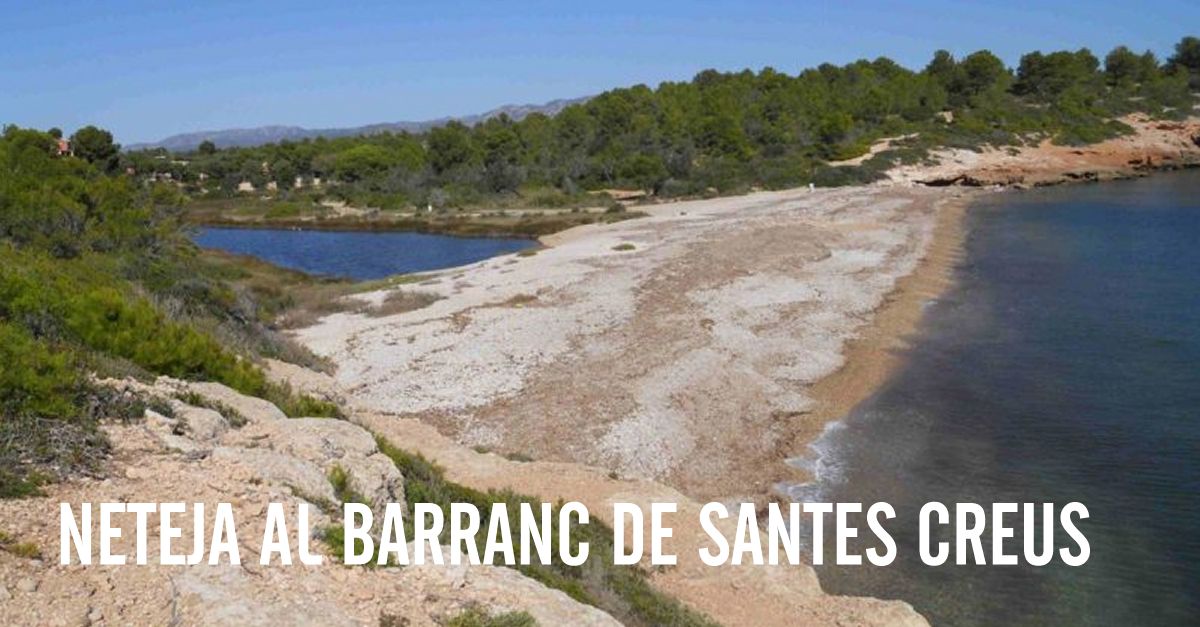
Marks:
<point>97,279</point>
<point>720,131</point>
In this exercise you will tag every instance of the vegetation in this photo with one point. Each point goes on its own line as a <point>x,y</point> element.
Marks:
<point>622,591</point>
<point>27,550</point>
<point>477,617</point>
<point>718,133</point>
<point>97,277</point>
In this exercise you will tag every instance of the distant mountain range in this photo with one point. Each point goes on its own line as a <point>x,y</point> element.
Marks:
<point>231,137</point>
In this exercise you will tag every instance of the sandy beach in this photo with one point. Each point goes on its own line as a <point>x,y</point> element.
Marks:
<point>707,344</point>
<point>694,347</point>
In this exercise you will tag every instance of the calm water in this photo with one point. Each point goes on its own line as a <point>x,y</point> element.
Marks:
<point>1064,367</point>
<point>357,255</point>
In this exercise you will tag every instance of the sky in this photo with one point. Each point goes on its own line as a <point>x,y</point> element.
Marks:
<point>146,70</point>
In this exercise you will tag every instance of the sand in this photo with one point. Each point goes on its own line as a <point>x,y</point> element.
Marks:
<point>682,357</point>
<point>703,346</point>
<point>700,358</point>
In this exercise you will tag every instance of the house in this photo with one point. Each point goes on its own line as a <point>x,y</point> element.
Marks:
<point>63,147</point>
<point>245,186</point>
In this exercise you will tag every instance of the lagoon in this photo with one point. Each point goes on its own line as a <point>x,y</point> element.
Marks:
<point>358,255</point>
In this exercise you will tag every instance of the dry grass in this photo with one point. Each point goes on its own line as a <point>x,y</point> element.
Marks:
<point>314,302</point>
<point>519,300</point>
<point>401,301</point>
<point>27,550</point>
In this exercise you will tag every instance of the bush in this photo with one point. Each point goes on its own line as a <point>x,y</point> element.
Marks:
<point>622,591</point>
<point>35,381</point>
<point>477,617</point>
<point>108,321</point>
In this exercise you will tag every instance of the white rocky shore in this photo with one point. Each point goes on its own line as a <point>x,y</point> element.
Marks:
<point>681,347</point>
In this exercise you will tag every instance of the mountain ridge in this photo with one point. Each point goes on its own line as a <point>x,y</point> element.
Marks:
<point>272,133</point>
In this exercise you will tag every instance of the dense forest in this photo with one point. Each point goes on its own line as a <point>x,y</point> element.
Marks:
<point>718,133</point>
<point>97,280</point>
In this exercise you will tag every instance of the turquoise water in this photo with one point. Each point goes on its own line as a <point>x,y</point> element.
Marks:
<point>355,254</point>
<point>1065,366</point>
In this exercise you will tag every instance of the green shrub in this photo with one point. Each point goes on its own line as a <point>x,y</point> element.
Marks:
<point>477,617</point>
<point>623,591</point>
<point>35,381</point>
<point>106,320</point>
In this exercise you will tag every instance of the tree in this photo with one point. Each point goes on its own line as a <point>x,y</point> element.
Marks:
<point>1046,76</point>
<point>96,146</point>
<point>1187,54</point>
<point>1186,59</point>
<point>833,129</point>
<point>450,146</point>
<point>206,147</point>
<point>284,173</point>
<point>501,154</point>
<point>1121,66</point>
<point>359,162</point>
<point>55,132</point>
<point>252,172</point>
<point>943,69</point>
<point>646,171</point>
<point>980,72</point>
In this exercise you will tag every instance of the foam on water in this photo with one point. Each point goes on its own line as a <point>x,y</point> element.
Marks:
<point>1064,366</point>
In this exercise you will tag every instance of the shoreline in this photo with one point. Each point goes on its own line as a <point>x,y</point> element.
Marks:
<point>726,337</point>
<point>454,226</point>
<point>737,307</point>
<point>873,356</point>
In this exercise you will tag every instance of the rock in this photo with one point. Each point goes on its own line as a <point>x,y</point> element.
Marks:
<point>337,443</point>
<point>167,432</point>
<point>320,439</point>
<point>305,478</point>
<point>497,590</point>
<point>376,478</point>
<point>252,409</point>
<point>4,593</point>
<point>95,615</point>
<point>27,585</point>
<point>202,425</point>
<point>230,597</point>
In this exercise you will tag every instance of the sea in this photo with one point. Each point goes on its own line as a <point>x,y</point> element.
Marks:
<point>358,255</point>
<point>1063,366</point>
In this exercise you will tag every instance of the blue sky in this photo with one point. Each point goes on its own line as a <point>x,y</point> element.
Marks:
<point>146,70</point>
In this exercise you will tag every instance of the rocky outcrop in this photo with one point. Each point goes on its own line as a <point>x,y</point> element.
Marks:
<point>195,454</point>
<point>327,444</point>
<point>1152,145</point>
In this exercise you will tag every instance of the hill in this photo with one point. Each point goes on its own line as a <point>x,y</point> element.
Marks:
<point>257,136</point>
